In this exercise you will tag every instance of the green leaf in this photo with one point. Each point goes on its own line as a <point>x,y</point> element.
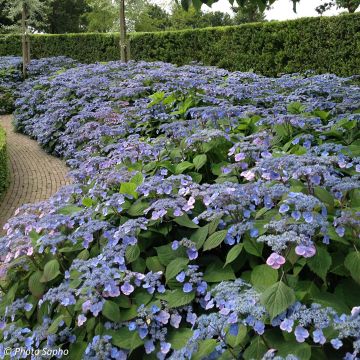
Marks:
<point>185,221</point>
<point>178,338</point>
<point>255,350</point>
<point>153,264</point>
<point>263,276</point>
<point>234,341</point>
<point>217,272</point>
<point>166,254</point>
<point>77,349</point>
<point>87,202</point>
<point>128,314</point>
<point>252,247</point>
<point>137,209</point>
<point>137,179</point>
<point>111,311</point>
<point>175,267</point>
<point>35,286</point>
<point>331,300</point>
<point>69,210</point>
<point>125,339</point>
<point>352,263</point>
<point>213,225</point>
<point>199,236</point>
<point>233,253</point>
<point>205,348</point>
<point>323,195</point>
<point>277,298</point>
<point>51,271</point>
<point>132,253</point>
<point>177,298</point>
<point>55,324</point>
<point>185,165</point>
<point>129,188</point>
<point>301,351</point>
<point>215,240</point>
<point>320,263</point>
<point>199,161</point>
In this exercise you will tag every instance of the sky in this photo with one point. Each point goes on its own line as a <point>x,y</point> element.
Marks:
<point>281,10</point>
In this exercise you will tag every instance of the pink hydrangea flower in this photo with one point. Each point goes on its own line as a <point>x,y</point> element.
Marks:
<point>240,156</point>
<point>275,260</point>
<point>305,251</point>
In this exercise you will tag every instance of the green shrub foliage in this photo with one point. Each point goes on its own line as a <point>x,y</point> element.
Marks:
<point>323,44</point>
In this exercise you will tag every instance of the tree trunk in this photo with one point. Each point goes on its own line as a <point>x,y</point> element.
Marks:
<point>25,39</point>
<point>123,40</point>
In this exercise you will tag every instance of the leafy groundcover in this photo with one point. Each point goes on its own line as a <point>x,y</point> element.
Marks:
<point>213,215</point>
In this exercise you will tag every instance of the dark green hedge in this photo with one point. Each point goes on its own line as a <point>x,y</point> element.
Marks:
<point>3,161</point>
<point>86,47</point>
<point>328,44</point>
<point>323,44</point>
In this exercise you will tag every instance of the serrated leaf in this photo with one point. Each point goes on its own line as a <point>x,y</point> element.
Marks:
<point>177,298</point>
<point>111,311</point>
<point>331,300</point>
<point>277,298</point>
<point>69,210</point>
<point>205,348</point>
<point>263,276</point>
<point>234,341</point>
<point>252,247</point>
<point>199,236</point>
<point>320,263</point>
<point>35,286</point>
<point>215,240</point>
<point>323,195</point>
<point>199,161</point>
<point>255,350</point>
<point>185,165</point>
<point>175,267</point>
<point>51,271</point>
<point>129,188</point>
<point>352,263</point>
<point>132,253</point>
<point>77,349</point>
<point>233,253</point>
<point>217,272</point>
<point>137,209</point>
<point>153,264</point>
<point>178,338</point>
<point>87,202</point>
<point>213,225</point>
<point>55,325</point>
<point>166,254</point>
<point>125,339</point>
<point>137,179</point>
<point>185,221</point>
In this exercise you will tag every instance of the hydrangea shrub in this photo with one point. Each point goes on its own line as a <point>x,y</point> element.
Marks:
<point>213,215</point>
<point>11,76</point>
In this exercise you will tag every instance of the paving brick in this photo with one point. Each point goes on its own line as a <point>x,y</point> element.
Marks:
<point>34,175</point>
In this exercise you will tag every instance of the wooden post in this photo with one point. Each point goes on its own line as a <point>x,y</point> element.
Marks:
<point>123,40</point>
<point>25,38</point>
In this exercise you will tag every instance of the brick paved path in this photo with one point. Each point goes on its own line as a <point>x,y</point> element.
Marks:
<point>34,175</point>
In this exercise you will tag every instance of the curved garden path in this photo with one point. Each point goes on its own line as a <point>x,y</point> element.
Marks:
<point>34,175</point>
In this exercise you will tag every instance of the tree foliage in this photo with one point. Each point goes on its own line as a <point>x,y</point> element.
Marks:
<point>10,14</point>
<point>350,5</point>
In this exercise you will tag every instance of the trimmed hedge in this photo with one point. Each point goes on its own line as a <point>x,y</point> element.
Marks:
<point>322,44</point>
<point>86,47</point>
<point>3,161</point>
